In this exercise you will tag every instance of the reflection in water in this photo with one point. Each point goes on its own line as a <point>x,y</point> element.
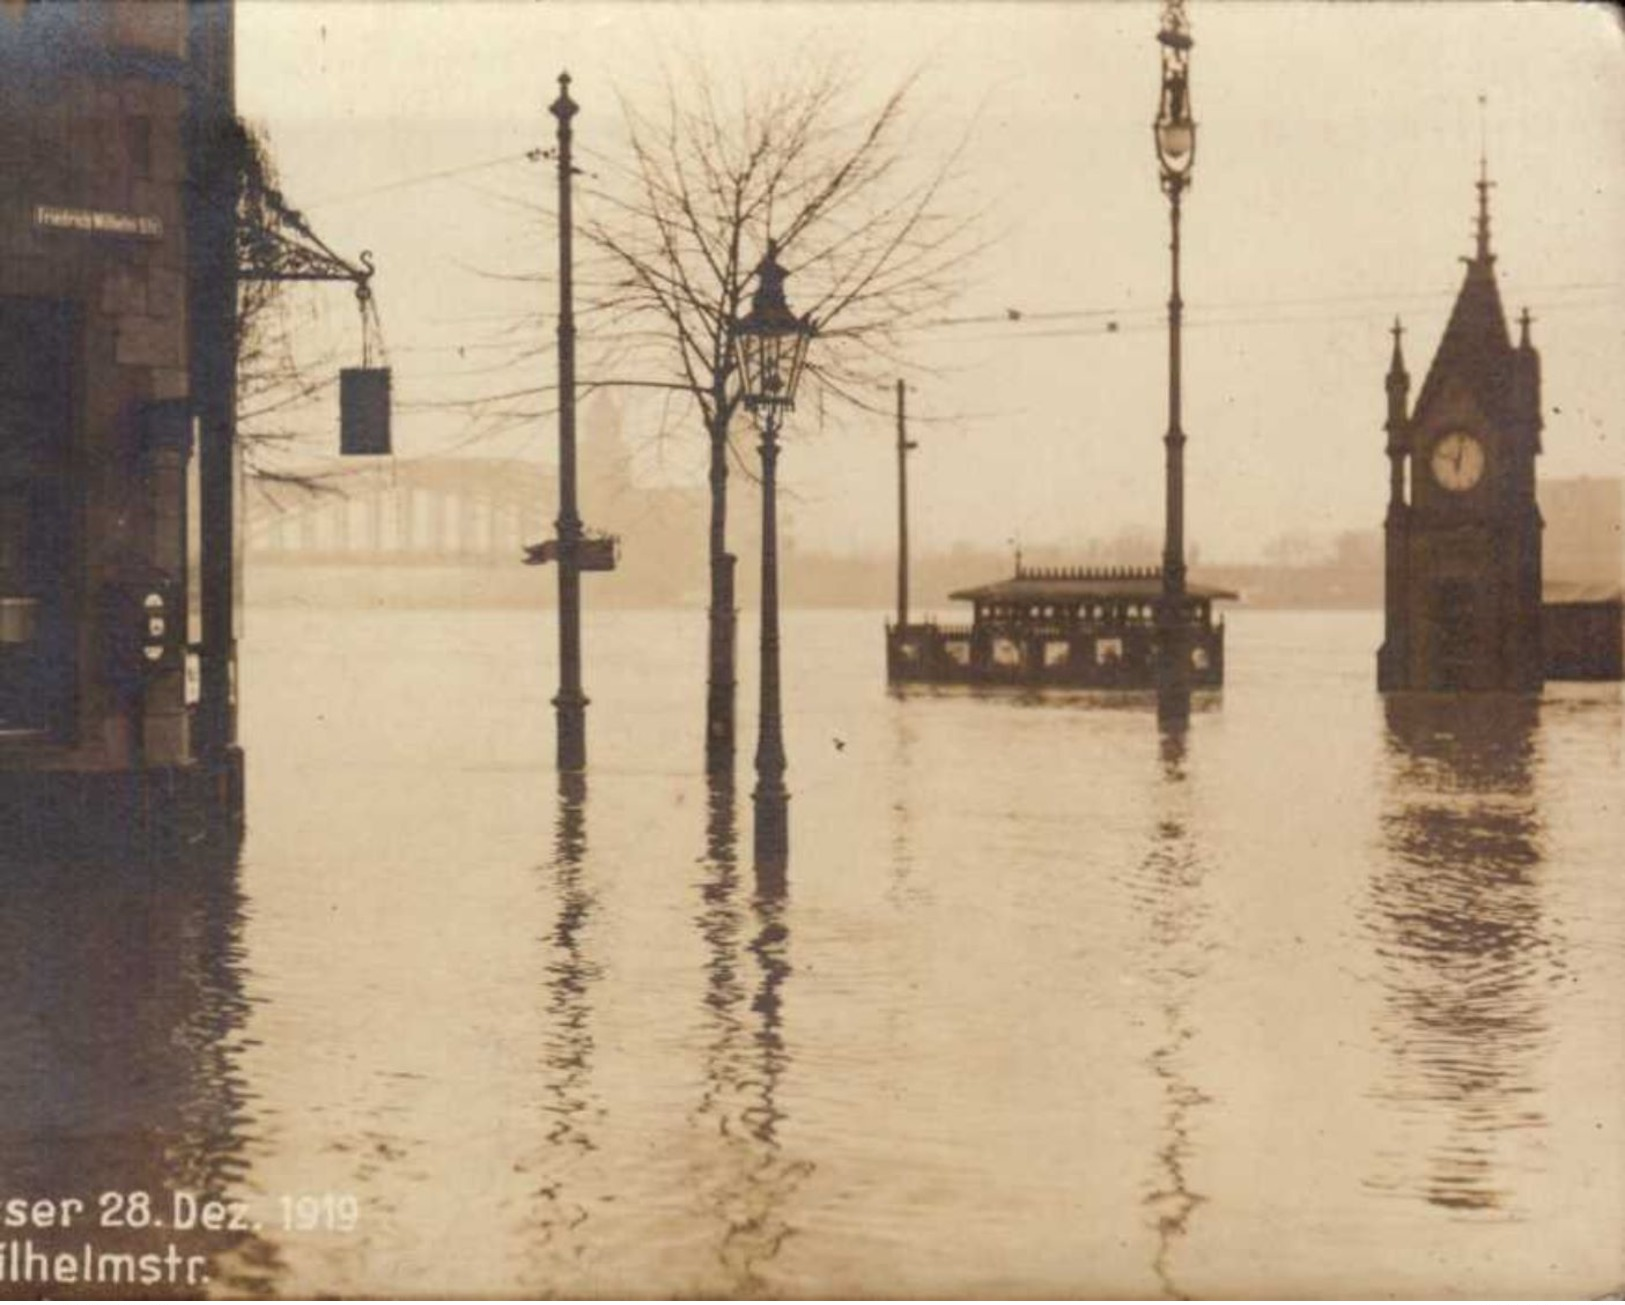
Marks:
<point>902,840</point>
<point>568,1045</point>
<point>745,1052</point>
<point>120,1037</point>
<point>1462,940</point>
<point>1168,888</point>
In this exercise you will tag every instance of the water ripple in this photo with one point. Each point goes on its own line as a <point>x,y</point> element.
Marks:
<point>1466,952</point>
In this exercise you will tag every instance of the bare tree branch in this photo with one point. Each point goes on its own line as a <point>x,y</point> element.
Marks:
<point>273,382</point>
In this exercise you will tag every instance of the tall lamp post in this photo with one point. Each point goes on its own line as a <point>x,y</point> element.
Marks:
<point>1175,134</point>
<point>771,345</point>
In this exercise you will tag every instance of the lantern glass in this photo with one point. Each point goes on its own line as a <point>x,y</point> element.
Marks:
<point>770,343</point>
<point>1176,146</point>
<point>770,364</point>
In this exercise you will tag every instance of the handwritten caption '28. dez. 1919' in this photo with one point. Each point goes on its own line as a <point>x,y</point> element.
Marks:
<point>186,1211</point>
<point>117,1214</point>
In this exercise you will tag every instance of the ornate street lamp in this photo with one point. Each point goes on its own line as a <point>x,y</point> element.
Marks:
<point>1175,134</point>
<point>770,344</point>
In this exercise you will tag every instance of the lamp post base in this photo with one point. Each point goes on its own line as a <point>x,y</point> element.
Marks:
<point>1173,707</point>
<point>719,726</point>
<point>1173,665</point>
<point>571,714</point>
<point>772,839</point>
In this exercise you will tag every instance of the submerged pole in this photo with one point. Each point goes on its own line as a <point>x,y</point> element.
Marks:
<point>1173,672</point>
<point>570,704</point>
<point>1175,135</point>
<point>904,444</point>
<point>771,798</point>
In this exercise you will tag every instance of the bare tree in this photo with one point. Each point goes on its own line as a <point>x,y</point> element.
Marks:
<point>274,385</point>
<point>864,225</point>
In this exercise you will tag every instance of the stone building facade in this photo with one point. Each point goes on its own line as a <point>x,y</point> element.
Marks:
<point>96,428</point>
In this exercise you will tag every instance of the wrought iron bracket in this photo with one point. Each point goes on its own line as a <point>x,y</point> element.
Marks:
<point>275,242</point>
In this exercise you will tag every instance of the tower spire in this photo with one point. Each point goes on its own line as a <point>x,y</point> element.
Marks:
<point>1484,184</point>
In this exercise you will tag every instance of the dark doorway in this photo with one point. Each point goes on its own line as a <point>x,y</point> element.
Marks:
<point>36,428</point>
<point>1455,618</point>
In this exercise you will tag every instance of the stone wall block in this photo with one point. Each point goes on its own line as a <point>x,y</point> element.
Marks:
<point>166,292</point>
<point>139,98</point>
<point>170,383</point>
<point>164,736</point>
<point>159,28</point>
<point>124,291</point>
<point>168,159</point>
<point>154,199</point>
<point>151,342</point>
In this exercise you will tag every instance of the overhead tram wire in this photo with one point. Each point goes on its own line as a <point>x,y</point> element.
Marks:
<point>1127,321</point>
<point>621,171</point>
<point>423,178</point>
<point>1019,316</point>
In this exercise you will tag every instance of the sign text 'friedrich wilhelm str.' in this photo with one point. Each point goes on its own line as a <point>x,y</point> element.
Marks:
<point>98,223</point>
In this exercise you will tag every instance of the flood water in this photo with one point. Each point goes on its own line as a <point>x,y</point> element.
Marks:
<point>1326,997</point>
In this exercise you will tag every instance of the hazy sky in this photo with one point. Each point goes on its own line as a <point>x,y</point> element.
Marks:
<point>1338,147</point>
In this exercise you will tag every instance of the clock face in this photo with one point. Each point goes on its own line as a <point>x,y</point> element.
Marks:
<point>1458,461</point>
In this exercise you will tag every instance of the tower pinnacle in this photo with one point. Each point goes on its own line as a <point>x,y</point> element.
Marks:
<point>1484,183</point>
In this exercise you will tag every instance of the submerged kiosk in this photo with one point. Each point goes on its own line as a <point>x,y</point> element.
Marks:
<point>1077,627</point>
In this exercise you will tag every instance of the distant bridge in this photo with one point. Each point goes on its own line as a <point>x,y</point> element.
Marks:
<point>459,510</point>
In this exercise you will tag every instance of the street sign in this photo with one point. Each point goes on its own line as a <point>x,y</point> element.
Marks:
<point>597,553</point>
<point>593,553</point>
<point>96,222</point>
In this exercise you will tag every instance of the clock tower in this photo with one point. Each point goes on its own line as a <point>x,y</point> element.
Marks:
<point>1462,580</point>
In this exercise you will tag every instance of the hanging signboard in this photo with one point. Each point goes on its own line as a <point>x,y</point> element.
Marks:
<point>364,411</point>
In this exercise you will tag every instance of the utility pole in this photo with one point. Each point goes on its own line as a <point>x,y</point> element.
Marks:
<point>904,445</point>
<point>571,703</point>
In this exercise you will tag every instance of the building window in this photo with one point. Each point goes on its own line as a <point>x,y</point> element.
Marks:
<point>36,635</point>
